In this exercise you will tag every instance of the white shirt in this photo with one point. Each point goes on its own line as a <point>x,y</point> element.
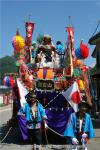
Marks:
<point>80,124</point>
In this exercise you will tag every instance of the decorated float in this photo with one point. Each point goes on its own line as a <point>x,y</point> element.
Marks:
<point>56,74</point>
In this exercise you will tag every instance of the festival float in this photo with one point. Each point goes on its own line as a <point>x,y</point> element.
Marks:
<point>56,74</point>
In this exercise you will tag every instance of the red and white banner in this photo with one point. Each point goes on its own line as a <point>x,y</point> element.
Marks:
<point>29,33</point>
<point>70,32</point>
<point>73,96</point>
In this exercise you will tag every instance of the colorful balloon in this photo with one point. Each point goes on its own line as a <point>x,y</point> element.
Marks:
<point>78,53</point>
<point>9,81</point>
<point>77,62</point>
<point>18,43</point>
<point>80,84</point>
<point>82,52</point>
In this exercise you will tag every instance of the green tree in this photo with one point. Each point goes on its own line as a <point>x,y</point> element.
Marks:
<point>39,39</point>
<point>7,65</point>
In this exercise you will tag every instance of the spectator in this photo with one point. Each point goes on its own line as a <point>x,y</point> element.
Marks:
<point>60,51</point>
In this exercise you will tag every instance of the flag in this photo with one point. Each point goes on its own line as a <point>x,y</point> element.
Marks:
<point>70,31</point>
<point>28,40</point>
<point>29,33</point>
<point>22,92</point>
<point>73,96</point>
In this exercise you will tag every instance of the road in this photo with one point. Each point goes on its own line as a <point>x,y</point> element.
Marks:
<point>13,140</point>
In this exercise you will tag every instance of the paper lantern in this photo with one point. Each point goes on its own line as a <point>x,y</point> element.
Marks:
<point>80,84</point>
<point>9,81</point>
<point>18,43</point>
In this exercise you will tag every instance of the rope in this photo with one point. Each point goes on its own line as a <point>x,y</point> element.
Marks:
<point>52,100</point>
<point>6,135</point>
<point>55,132</point>
<point>47,137</point>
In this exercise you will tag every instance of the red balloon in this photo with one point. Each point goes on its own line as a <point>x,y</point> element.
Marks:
<point>12,81</point>
<point>84,50</point>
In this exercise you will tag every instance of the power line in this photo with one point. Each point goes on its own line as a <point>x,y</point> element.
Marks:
<point>96,28</point>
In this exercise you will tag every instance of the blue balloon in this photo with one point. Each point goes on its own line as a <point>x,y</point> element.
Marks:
<point>78,53</point>
<point>7,81</point>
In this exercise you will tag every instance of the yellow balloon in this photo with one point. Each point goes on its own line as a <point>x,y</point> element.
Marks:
<point>81,84</point>
<point>18,43</point>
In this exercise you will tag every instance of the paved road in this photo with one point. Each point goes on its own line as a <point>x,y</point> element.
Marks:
<point>13,141</point>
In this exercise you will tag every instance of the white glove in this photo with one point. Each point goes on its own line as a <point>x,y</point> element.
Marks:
<point>45,124</point>
<point>84,135</point>
<point>74,141</point>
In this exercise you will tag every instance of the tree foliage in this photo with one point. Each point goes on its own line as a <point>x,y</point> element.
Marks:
<point>93,70</point>
<point>7,65</point>
<point>39,39</point>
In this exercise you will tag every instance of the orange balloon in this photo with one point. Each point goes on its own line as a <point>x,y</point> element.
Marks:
<point>77,62</point>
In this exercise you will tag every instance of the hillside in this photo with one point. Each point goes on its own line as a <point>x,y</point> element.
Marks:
<point>7,65</point>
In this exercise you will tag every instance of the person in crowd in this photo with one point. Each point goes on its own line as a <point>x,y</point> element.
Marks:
<point>60,50</point>
<point>79,128</point>
<point>35,114</point>
<point>33,51</point>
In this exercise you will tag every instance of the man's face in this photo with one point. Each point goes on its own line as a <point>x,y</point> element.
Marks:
<point>83,109</point>
<point>33,99</point>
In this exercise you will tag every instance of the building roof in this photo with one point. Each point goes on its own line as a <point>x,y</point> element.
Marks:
<point>94,53</point>
<point>96,74</point>
<point>94,39</point>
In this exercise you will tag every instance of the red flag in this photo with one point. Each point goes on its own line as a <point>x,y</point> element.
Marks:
<point>73,96</point>
<point>70,32</point>
<point>28,40</point>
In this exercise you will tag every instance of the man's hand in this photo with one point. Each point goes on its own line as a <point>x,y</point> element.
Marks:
<point>84,135</point>
<point>74,141</point>
<point>84,139</point>
<point>45,125</point>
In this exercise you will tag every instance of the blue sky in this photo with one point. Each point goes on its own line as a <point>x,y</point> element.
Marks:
<point>51,17</point>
